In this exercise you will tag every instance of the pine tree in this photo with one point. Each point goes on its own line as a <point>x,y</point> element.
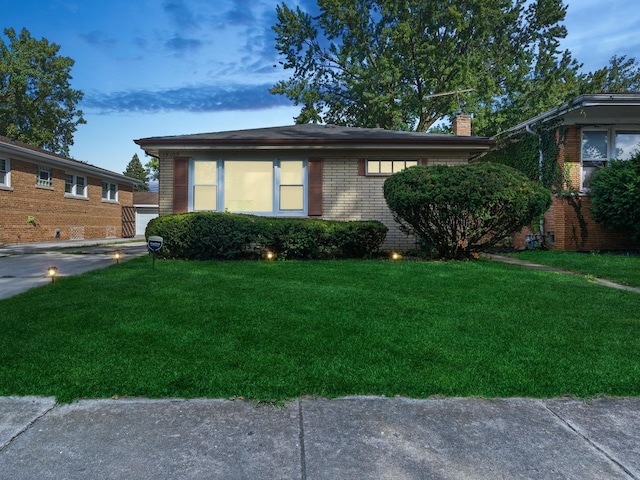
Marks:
<point>136,170</point>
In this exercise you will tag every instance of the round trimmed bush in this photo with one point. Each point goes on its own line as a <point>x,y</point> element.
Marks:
<point>465,209</point>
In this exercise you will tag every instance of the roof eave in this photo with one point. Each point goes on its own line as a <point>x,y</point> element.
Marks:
<point>28,154</point>
<point>154,145</point>
<point>586,100</point>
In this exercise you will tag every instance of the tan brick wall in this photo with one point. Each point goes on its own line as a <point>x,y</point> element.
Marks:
<point>165,183</point>
<point>86,218</point>
<point>349,196</point>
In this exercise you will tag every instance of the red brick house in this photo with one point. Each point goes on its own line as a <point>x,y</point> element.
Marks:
<point>592,130</point>
<point>44,197</point>
<point>307,170</point>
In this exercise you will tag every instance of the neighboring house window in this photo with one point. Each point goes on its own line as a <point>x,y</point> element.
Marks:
<point>44,177</point>
<point>600,145</point>
<point>110,191</point>
<point>388,167</point>
<point>75,185</point>
<point>249,186</point>
<point>5,173</point>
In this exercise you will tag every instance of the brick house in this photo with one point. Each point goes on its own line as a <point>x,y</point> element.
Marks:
<point>591,130</point>
<point>307,170</point>
<point>45,197</point>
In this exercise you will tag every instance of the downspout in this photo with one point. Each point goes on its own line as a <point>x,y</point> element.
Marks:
<point>540,165</point>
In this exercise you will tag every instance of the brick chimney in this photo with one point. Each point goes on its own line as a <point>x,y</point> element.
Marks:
<point>461,125</point>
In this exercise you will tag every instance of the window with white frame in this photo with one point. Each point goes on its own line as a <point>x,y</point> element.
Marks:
<point>44,178</point>
<point>264,187</point>
<point>601,144</point>
<point>109,192</point>
<point>388,167</point>
<point>205,186</point>
<point>75,185</point>
<point>5,173</point>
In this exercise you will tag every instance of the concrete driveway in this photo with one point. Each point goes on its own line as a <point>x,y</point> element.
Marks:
<point>25,266</point>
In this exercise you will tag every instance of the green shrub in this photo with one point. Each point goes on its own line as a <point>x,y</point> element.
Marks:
<point>464,209</point>
<point>615,195</point>
<point>208,235</point>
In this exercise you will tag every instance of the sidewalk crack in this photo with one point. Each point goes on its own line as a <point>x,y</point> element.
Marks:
<point>303,462</point>
<point>593,444</point>
<point>27,427</point>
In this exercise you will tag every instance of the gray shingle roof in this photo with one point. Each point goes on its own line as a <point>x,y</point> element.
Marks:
<point>301,134</point>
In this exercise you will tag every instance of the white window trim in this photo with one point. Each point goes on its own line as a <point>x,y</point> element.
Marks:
<point>44,184</point>
<point>601,162</point>
<point>275,210</point>
<point>6,183</point>
<point>108,198</point>
<point>75,191</point>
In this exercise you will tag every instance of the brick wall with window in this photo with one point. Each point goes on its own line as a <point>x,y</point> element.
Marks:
<point>335,186</point>
<point>562,223</point>
<point>40,202</point>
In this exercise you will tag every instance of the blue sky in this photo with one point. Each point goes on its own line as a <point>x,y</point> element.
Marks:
<point>171,67</point>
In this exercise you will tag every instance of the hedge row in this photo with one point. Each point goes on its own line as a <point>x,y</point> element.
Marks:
<point>209,236</point>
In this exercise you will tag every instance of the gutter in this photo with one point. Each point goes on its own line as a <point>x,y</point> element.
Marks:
<point>586,100</point>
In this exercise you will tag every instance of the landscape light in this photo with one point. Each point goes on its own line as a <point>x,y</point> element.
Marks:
<point>269,255</point>
<point>116,255</point>
<point>51,271</point>
<point>396,256</point>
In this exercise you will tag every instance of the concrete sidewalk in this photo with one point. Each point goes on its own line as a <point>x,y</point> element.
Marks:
<point>346,438</point>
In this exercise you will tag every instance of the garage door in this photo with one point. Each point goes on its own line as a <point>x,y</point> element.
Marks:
<point>143,217</point>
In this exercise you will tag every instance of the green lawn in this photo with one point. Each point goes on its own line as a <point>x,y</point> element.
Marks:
<point>279,330</point>
<point>621,268</point>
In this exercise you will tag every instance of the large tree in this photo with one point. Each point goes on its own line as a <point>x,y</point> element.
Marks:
<point>37,103</point>
<point>136,170</point>
<point>387,63</point>
<point>622,75</point>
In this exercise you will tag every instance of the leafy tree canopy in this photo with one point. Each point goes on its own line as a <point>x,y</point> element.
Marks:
<point>136,170</point>
<point>383,63</point>
<point>622,75</point>
<point>153,168</point>
<point>37,103</point>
